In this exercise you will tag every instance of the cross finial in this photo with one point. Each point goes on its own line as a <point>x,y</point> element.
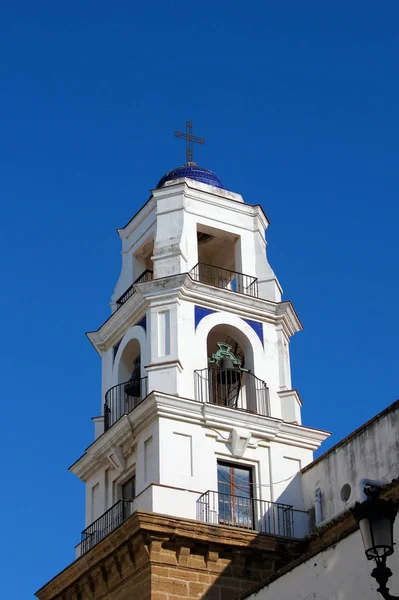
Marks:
<point>190,139</point>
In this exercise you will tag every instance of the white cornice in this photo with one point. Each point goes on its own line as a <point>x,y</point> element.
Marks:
<point>245,306</point>
<point>138,218</point>
<point>211,416</point>
<point>118,323</point>
<point>182,287</point>
<point>193,189</point>
<point>206,194</point>
<point>201,190</point>
<point>291,394</point>
<point>232,205</point>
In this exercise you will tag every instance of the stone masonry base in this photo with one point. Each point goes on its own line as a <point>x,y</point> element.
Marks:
<point>156,557</point>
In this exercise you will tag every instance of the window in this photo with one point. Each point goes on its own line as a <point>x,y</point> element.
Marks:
<point>129,489</point>
<point>235,499</point>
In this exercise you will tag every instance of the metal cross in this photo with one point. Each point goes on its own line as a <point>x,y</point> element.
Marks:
<point>190,139</point>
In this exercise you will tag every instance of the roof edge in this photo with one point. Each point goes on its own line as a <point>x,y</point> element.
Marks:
<point>352,435</point>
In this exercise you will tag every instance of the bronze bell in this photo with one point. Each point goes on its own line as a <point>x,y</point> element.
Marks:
<point>132,388</point>
<point>229,373</point>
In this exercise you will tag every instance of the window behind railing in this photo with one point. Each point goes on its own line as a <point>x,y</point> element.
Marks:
<point>219,508</point>
<point>235,493</point>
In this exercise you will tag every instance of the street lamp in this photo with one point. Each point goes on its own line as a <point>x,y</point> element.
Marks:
<point>376,518</point>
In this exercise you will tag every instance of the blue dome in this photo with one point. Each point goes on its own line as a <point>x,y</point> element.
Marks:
<point>193,172</point>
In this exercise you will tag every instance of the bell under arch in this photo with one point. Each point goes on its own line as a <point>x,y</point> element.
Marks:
<point>228,379</point>
<point>240,344</point>
<point>131,387</point>
<point>130,362</point>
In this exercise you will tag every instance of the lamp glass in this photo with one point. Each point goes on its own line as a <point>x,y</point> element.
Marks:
<point>377,535</point>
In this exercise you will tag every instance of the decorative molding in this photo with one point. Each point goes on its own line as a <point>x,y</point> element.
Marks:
<point>200,313</point>
<point>181,287</point>
<point>116,459</point>
<point>212,416</point>
<point>239,440</point>
<point>291,394</point>
<point>161,365</point>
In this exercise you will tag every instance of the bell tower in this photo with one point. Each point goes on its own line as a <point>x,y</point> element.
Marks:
<point>193,478</point>
<point>197,418</point>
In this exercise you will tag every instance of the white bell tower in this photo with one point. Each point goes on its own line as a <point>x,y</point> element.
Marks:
<point>198,418</point>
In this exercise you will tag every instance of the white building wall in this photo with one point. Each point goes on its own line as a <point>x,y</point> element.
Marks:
<point>96,496</point>
<point>370,454</point>
<point>276,467</point>
<point>340,573</point>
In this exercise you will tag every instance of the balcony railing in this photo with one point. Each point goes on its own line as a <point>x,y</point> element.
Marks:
<point>101,527</point>
<point>224,278</point>
<point>146,276</point>
<point>123,398</point>
<point>247,513</point>
<point>235,389</point>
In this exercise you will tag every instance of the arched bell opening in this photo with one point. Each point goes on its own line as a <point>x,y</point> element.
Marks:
<point>132,387</point>
<point>130,360</point>
<point>228,379</point>
<point>240,345</point>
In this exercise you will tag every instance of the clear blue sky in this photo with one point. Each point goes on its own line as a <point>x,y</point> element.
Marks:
<point>298,102</point>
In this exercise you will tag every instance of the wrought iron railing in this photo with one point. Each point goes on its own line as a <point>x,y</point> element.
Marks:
<point>123,398</point>
<point>146,276</point>
<point>224,278</point>
<point>101,527</point>
<point>247,513</point>
<point>238,389</point>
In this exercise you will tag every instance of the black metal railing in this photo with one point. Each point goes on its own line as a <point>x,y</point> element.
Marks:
<point>247,513</point>
<point>224,278</point>
<point>123,398</point>
<point>101,527</point>
<point>146,276</point>
<point>238,389</point>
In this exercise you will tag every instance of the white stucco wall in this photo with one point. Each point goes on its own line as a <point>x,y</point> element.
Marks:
<point>373,453</point>
<point>139,456</point>
<point>340,573</point>
<point>179,448</point>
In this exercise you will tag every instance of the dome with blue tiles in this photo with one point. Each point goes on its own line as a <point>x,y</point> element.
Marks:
<point>192,171</point>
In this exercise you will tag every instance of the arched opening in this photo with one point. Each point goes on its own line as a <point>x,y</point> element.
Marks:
<point>131,357</point>
<point>240,345</point>
<point>220,261</point>
<point>131,388</point>
<point>228,380</point>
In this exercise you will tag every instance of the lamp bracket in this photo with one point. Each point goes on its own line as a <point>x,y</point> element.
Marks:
<point>381,574</point>
<point>372,491</point>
